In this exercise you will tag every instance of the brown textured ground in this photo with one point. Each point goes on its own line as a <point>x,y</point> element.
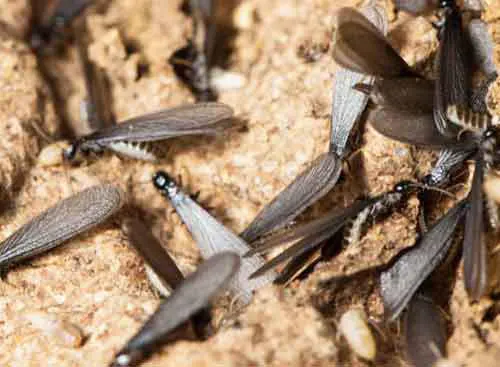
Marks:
<point>97,283</point>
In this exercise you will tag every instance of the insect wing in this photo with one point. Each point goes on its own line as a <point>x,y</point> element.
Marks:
<point>453,81</point>
<point>192,295</point>
<point>416,6</point>
<point>474,248</point>
<point>348,104</point>
<point>404,277</point>
<point>200,118</point>
<point>61,222</point>
<point>361,47</point>
<point>213,237</point>
<point>411,128</point>
<point>425,331</point>
<point>311,235</point>
<point>482,46</point>
<point>311,185</point>
<point>153,252</point>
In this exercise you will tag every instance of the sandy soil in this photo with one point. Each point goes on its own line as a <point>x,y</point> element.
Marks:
<point>98,284</point>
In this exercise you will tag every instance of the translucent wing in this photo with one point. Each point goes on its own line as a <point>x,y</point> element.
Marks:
<point>66,10</point>
<point>474,248</point>
<point>311,185</point>
<point>448,162</point>
<point>405,94</point>
<point>98,104</point>
<point>212,237</point>
<point>482,47</point>
<point>409,127</point>
<point>425,331</point>
<point>63,221</point>
<point>309,235</point>
<point>416,6</point>
<point>200,118</point>
<point>454,76</point>
<point>153,252</point>
<point>361,47</point>
<point>191,296</point>
<point>400,282</point>
<point>348,104</point>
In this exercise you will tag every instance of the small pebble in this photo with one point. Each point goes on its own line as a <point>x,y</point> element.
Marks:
<point>60,331</point>
<point>492,187</point>
<point>222,80</point>
<point>51,155</point>
<point>245,15</point>
<point>355,329</point>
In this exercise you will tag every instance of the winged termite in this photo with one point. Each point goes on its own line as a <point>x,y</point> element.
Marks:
<point>403,278</point>
<point>212,237</point>
<point>125,138</point>
<point>192,63</point>
<point>61,222</point>
<point>312,235</point>
<point>453,64</point>
<point>191,296</point>
<point>322,175</point>
<point>361,47</point>
<point>312,184</point>
<point>486,132</point>
<point>49,28</point>
<point>424,331</point>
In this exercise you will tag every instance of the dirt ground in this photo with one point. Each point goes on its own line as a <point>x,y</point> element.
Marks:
<point>98,284</point>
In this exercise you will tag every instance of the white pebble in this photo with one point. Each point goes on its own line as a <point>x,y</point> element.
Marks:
<point>51,155</point>
<point>444,362</point>
<point>223,80</point>
<point>57,330</point>
<point>492,187</point>
<point>355,329</point>
<point>245,15</point>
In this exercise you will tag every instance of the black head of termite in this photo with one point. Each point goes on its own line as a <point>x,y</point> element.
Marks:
<point>404,187</point>
<point>164,183</point>
<point>128,358</point>
<point>447,4</point>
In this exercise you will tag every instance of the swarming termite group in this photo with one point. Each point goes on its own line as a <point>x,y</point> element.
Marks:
<point>446,113</point>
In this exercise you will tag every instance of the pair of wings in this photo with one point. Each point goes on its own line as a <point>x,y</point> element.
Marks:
<point>194,119</point>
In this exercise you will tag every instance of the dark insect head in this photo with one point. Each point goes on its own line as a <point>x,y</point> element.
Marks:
<point>404,187</point>
<point>163,182</point>
<point>447,4</point>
